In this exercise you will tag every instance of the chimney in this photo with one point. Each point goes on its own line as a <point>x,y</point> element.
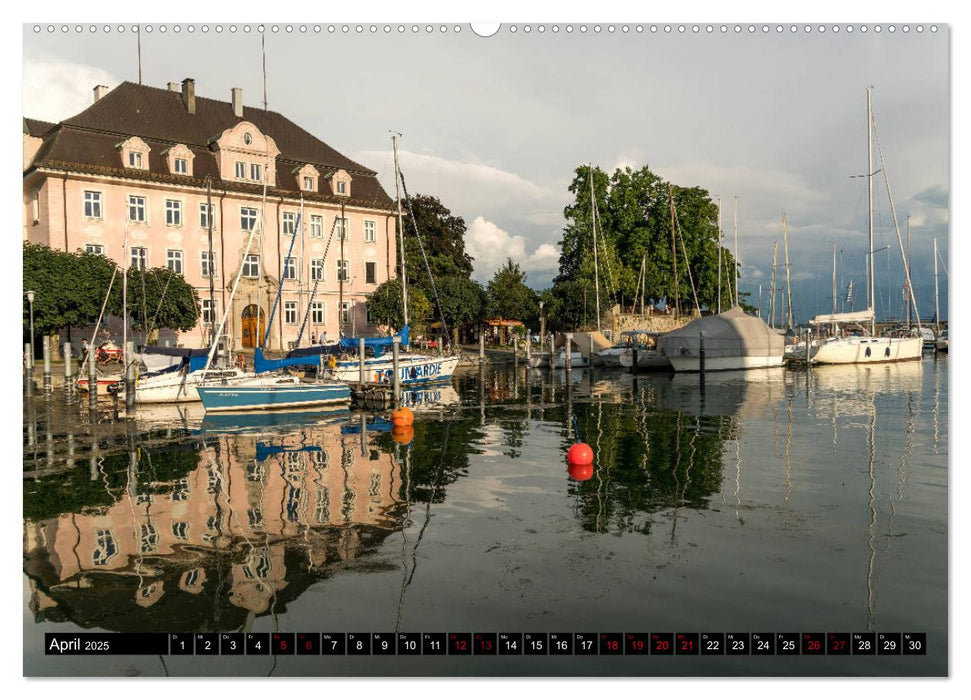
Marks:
<point>238,102</point>
<point>100,91</point>
<point>189,95</point>
<point>174,87</point>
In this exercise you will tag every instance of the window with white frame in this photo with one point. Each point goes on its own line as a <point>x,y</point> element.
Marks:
<point>290,312</point>
<point>209,268</point>
<point>94,248</point>
<point>208,311</point>
<point>341,187</point>
<point>371,273</point>
<point>316,226</point>
<point>367,316</point>
<point>149,539</point>
<point>318,315</point>
<point>173,212</point>
<point>205,211</point>
<point>289,223</point>
<point>181,166</point>
<point>92,204</point>
<point>139,258</point>
<point>240,170</point>
<point>105,548</point>
<point>308,183</point>
<point>316,270</point>
<point>370,231</point>
<point>180,530</point>
<point>255,171</point>
<point>290,264</point>
<point>136,209</point>
<point>343,270</point>
<point>135,160</point>
<point>251,266</point>
<point>173,260</point>
<point>247,218</point>
<point>345,312</point>
<point>343,228</point>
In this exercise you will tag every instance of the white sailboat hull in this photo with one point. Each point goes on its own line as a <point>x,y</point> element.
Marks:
<point>412,369</point>
<point>866,350</point>
<point>180,388</point>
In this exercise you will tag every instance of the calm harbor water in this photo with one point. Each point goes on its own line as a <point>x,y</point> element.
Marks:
<point>773,502</point>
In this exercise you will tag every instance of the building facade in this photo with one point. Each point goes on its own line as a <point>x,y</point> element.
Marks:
<point>144,174</point>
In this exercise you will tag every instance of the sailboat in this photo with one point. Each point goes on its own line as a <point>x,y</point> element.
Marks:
<point>857,349</point>
<point>413,368</point>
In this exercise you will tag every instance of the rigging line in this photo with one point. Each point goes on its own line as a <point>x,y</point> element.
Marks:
<point>687,264</point>
<point>313,293</point>
<point>160,300</point>
<point>414,223</point>
<point>943,264</point>
<point>609,281</point>
<point>283,278</point>
<point>404,537</point>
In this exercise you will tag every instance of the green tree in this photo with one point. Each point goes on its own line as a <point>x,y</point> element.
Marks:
<point>509,297</point>
<point>571,304</point>
<point>159,298</point>
<point>385,305</point>
<point>69,287</point>
<point>443,236</point>
<point>463,300</point>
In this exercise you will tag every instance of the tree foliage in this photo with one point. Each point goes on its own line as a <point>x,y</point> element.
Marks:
<point>509,297</point>
<point>634,229</point>
<point>385,306</point>
<point>71,287</point>
<point>443,236</point>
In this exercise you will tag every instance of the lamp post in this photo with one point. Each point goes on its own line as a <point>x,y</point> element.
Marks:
<point>30,300</point>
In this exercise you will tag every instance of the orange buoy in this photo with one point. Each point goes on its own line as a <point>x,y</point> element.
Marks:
<point>580,454</point>
<point>403,434</point>
<point>402,416</point>
<point>580,472</point>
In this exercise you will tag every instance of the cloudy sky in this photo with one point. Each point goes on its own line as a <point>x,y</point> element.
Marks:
<point>495,126</point>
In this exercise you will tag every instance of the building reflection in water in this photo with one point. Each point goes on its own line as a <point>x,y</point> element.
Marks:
<point>198,535</point>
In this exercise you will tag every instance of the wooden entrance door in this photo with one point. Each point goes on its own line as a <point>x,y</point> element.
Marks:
<point>252,337</point>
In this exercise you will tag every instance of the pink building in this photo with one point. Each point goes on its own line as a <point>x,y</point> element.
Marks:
<point>160,165</point>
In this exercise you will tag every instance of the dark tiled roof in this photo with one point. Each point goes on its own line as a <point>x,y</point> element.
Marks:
<point>35,127</point>
<point>88,142</point>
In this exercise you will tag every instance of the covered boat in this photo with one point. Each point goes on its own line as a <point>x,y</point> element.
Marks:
<point>732,339</point>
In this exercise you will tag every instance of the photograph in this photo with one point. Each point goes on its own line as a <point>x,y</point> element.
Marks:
<point>512,350</point>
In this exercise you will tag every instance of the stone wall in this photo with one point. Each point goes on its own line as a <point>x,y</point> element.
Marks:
<point>661,323</point>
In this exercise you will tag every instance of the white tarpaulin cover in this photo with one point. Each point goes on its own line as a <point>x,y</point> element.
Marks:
<point>847,317</point>
<point>732,333</point>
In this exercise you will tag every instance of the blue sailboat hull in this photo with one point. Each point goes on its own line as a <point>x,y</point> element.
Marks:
<point>253,398</point>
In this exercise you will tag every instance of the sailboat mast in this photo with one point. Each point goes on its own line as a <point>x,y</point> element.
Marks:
<point>871,297</point>
<point>719,255</point>
<point>772,290</point>
<point>907,265</point>
<point>212,268</point>
<point>834,278</point>
<point>593,227</point>
<point>674,252</point>
<point>735,208</point>
<point>340,281</point>
<point>785,239</point>
<point>643,281</point>
<point>401,229</point>
<point>937,305</point>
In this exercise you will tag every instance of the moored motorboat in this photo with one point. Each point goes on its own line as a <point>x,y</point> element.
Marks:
<point>732,340</point>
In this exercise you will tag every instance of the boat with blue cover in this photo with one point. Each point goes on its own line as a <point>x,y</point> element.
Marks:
<point>286,392</point>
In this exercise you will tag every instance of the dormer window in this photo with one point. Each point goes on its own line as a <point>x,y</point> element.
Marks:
<point>134,153</point>
<point>308,183</point>
<point>240,170</point>
<point>179,159</point>
<point>340,183</point>
<point>254,171</point>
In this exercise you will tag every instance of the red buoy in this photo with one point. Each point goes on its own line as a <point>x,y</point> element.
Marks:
<point>579,454</point>
<point>402,416</point>
<point>580,472</point>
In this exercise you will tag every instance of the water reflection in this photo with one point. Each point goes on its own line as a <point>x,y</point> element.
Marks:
<point>180,521</point>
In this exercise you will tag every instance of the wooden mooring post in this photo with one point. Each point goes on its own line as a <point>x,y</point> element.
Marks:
<point>68,375</point>
<point>360,359</point>
<point>481,348</point>
<point>129,375</point>
<point>92,379</point>
<point>568,353</point>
